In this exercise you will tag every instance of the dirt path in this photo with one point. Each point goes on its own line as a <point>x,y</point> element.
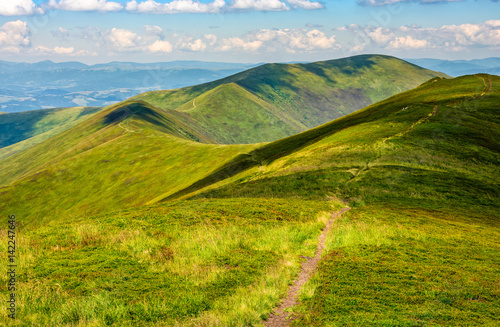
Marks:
<point>279,317</point>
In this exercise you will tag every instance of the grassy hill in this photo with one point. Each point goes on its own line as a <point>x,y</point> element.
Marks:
<point>234,222</point>
<point>122,156</point>
<point>273,101</point>
<point>19,131</point>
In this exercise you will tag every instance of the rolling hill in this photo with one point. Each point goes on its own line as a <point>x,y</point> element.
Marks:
<point>263,104</point>
<point>273,101</point>
<point>463,104</point>
<point>229,225</point>
<point>19,131</point>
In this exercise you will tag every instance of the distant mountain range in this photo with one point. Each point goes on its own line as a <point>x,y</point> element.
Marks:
<point>31,86</point>
<point>460,67</point>
<point>46,84</point>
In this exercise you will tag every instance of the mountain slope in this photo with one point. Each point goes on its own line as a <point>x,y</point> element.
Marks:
<point>439,110</point>
<point>231,114</point>
<point>297,96</point>
<point>420,171</point>
<point>125,155</point>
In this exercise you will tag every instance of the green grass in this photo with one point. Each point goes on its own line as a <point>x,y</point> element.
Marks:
<point>213,262</point>
<point>391,141</point>
<point>389,265</point>
<point>231,114</point>
<point>419,246</point>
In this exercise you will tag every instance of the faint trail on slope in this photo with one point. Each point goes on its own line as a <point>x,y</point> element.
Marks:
<point>487,88</point>
<point>279,317</point>
<point>435,110</point>
<point>491,85</point>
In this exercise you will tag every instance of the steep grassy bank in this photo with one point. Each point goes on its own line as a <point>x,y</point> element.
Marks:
<point>20,131</point>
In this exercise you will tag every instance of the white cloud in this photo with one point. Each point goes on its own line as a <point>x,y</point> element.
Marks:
<point>312,40</point>
<point>487,34</point>
<point>380,36</point>
<point>288,40</point>
<point>407,42</point>
<point>160,47</point>
<point>211,38</point>
<point>174,7</point>
<point>447,37</point>
<point>63,50</point>
<point>153,29</point>
<point>296,39</point>
<point>14,36</point>
<point>258,5</point>
<point>464,35</point>
<point>18,8</point>
<point>85,5</point>
<point>236,43</point>
<point>493,23</point>
<point>61,33</point>
<point>163,7</point>
<point>122,39</point>
<point>305,4</point>
<point>191,45</point>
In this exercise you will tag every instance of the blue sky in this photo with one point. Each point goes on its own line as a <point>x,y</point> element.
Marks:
<point>94,31</point>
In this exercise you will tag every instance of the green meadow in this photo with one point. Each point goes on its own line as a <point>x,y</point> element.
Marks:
<point>135,217</point>
<point>206,263</point>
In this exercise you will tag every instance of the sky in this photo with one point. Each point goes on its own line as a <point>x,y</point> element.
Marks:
<point>246,31</point>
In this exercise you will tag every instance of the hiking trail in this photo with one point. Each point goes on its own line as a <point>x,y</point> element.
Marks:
<point>279,317</point>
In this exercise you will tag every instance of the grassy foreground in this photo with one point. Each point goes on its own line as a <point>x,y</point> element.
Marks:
<point>209,263</point>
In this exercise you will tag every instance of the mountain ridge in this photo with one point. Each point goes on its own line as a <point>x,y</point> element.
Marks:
<point>306,94</point>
